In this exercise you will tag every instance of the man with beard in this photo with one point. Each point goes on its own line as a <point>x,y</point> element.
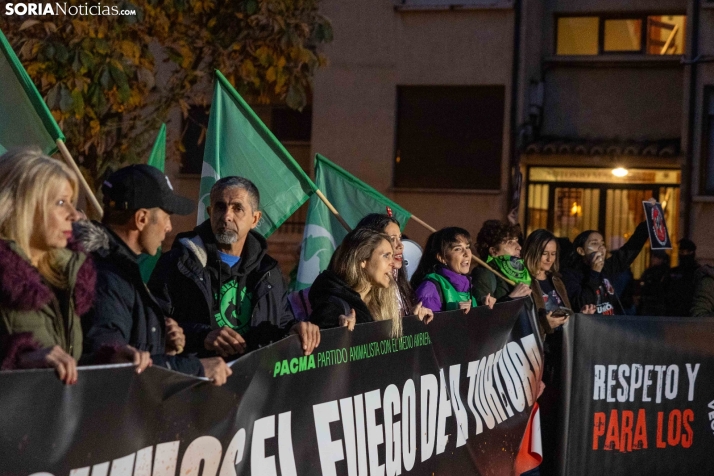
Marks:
<point>681,280</point>
<point>225,291</point>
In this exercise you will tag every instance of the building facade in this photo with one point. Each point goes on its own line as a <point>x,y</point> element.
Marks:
<point>599,103</point>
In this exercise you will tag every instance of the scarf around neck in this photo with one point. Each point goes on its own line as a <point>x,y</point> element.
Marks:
<point>511,267</point>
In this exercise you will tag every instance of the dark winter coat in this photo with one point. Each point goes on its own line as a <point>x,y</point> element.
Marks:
<point>484,282</point>
<point>124,310</point>
<point>586,286</point>
<point>653,291</point>
<point>330,297</point>
<point>703,302</point>
<point>32,314</point>
<point>190,275</point>
<point>679,285</point>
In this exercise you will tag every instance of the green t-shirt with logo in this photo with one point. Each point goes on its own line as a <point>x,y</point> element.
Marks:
<point>235,307</point>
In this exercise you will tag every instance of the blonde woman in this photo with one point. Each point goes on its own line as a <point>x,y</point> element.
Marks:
<point>357,286</point>
<point>44,287</point>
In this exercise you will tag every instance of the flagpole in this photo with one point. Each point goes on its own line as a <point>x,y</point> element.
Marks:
<point>85,186</point>
<point>423,223</point>
<point>480,262</point>
<point>334,211</point>
<point>475,258</point>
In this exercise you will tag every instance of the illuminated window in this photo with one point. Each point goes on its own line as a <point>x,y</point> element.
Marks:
<point>643,34</point>
<point>622,35</point>
<point>577,36</point>
<point>666,34</point>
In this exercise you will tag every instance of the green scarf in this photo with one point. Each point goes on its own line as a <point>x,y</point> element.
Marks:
<point>511,267</point>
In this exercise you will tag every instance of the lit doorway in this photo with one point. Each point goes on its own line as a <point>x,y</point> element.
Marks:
<point>570,200</point>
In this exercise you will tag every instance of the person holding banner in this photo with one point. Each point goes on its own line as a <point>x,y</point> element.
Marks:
<point>588,273</point>
<point>540,255</point>
<point>357,286</point>
<point>138,202</point>
<point>442,278</point>
<point>225,291</point>
<point>389,225</point>
<point>497,244</point>
<point>44,287</point>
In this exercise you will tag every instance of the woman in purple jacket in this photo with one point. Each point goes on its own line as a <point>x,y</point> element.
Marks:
<point>442,279</point>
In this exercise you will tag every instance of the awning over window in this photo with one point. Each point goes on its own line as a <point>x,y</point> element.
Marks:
<point>569,146</point>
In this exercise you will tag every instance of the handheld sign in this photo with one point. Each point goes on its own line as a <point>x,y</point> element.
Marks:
<point>657,226</point>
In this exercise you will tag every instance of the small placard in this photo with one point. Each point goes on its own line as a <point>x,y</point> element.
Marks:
<point>657,226</point>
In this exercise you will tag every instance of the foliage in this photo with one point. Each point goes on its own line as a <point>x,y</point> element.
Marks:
<point>100,77</point>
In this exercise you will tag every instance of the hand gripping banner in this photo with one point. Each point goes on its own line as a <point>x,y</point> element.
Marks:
<point>451,397</point>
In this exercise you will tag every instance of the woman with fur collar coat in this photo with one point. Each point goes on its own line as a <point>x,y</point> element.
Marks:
<point>44,287</point>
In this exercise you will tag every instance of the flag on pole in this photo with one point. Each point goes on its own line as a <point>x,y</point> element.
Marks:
<point>354,199</point>
<point>157,159</point>
<point>238,143</point>
<point>25,119</point>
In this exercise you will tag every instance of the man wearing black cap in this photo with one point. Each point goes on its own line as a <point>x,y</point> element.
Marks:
<point>138,204</point>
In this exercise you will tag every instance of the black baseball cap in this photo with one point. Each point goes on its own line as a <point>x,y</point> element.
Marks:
<point>143,186</point>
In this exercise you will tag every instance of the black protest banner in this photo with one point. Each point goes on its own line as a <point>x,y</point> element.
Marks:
<point>641,393</point>
<point>452,397</point>
<point>657,226</point>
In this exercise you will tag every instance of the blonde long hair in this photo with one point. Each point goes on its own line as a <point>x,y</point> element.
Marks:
<point>28,180</point>
<point>358,246</point>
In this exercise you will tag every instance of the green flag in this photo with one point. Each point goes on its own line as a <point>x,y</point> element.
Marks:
<point>25,119</point>
<point>158,152</point>
<point>238,143</point>
<point>157,159</point>
<point>353,199</point>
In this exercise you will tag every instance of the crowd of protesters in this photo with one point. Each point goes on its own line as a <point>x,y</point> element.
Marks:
<point>72,293</point>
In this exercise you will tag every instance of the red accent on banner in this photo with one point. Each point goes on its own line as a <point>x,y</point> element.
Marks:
<point>530,455</point>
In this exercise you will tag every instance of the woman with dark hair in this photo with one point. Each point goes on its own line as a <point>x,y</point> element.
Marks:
<point>405,295</point>
<point>357,286</point>
<point>497,244</point>
<point>442,278</point>
<point>588,273</point>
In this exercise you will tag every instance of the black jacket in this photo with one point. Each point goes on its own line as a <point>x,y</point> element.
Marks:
<point>124,310</point>
<point>679,288</point>
<point>653,291</point>
<point>191,274</point>
<point>586,286</point>
<point>330,297</point>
